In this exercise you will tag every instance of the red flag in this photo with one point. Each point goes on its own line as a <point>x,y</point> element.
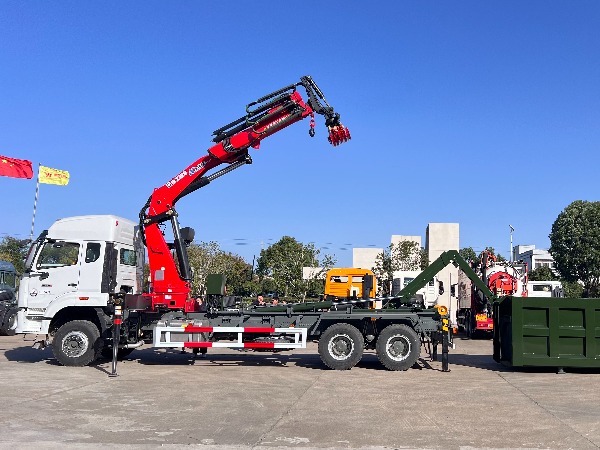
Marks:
<point>17,168</point>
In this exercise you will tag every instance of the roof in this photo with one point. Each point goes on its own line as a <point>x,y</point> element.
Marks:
<point>6,266</point>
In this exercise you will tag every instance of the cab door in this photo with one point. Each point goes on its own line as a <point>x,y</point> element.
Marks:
<point>55,273</point>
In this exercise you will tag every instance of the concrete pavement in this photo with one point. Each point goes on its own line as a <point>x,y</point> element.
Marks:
<point>250,400</point>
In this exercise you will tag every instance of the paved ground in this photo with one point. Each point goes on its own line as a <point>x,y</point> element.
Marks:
<point>258,401</point>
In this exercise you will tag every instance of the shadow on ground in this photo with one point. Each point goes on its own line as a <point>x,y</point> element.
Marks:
<point>152,356</point>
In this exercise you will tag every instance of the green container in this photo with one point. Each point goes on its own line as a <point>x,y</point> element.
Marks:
<point>547,332</point>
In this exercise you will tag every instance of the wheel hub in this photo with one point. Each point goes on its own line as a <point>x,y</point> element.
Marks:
<point>398,348</point>
<point>75,344</point>
<point>341,347</point>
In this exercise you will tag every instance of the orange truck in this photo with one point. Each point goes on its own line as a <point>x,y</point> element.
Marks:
<point>349,283</point>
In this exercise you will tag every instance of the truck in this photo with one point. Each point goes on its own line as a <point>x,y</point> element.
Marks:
<point>550,288</point>
<point>8,300</point>
<point>82,288</point>
<point>502,278</point>
<point>427,295</point>
<point>349,283</point>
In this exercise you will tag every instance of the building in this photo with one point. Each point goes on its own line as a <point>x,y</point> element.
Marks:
<point>364,258</point>
<point>441,237</point>
<point>534,257</point>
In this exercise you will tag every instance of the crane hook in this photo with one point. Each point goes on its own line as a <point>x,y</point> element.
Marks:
<point>311,131</point>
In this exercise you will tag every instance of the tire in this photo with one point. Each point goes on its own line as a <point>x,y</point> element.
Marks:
<point>341,346</point>
<point>398,347</point>
<point>107,352</point>
<point>468,326</point>
<point>3,312</point>
<point>77,343</point>
<point>10,323</point>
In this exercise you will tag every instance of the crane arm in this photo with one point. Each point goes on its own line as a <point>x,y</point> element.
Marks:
<point>446,258</point>
<point>264,117</point>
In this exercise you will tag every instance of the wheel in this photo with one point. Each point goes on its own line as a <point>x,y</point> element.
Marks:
<point>468,326</point>
<point>398,347</point>
<point>77,343</point>
<point>10,323</point>
<point>341,346</point>
<point>107,352</point>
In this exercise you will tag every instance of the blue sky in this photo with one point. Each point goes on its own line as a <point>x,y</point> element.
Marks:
<point>481,113</point>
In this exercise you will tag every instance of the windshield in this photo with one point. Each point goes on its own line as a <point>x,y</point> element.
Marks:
<point>33,248</point>
<point>58,254</point>
<point>8,280</point>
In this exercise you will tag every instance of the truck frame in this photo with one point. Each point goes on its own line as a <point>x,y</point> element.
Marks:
<point>83,278</point>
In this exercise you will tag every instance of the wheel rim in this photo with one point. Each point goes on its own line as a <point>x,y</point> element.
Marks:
<point>340,347</point>
<point>398,348</point>
<point>75,344</point>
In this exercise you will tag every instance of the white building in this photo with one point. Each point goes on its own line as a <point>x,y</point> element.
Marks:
<point>364,258</point>
<point>534,257</point>
<point>439,238</point>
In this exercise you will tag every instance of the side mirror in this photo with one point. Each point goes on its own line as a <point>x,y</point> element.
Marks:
<point>44,275</point>
<point>441,289</point>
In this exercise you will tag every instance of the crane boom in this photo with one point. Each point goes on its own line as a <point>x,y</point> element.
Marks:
<point>170,281</point>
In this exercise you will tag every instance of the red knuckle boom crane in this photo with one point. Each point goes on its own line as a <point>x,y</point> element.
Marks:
<point>170,281</point>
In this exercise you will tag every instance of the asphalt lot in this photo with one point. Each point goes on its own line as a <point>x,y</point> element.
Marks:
<point>243,400</point>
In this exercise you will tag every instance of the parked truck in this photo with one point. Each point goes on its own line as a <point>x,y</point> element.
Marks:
<point>550,288</point>
<point>502,278</point>
<point>427,295</point>
<point>349,283</point>
<point>82,286</point>
<point>8,300</point>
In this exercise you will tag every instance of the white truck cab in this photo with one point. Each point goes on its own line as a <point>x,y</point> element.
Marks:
<point>427,295</point>
<point>72,268</point>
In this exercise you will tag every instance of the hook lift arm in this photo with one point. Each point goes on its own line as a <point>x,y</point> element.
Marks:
<point>170,287</point>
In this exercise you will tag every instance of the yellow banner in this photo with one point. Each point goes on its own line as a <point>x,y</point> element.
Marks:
<point>53,176</point>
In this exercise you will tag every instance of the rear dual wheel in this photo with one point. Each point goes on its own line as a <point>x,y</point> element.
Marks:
<point>398,347</point>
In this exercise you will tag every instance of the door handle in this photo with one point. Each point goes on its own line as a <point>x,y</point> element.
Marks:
<point>72,284</point>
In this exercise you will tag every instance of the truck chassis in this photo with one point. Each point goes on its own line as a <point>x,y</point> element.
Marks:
<point>343,332</point>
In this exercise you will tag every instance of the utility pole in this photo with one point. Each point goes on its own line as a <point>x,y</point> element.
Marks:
<point>511,242</point>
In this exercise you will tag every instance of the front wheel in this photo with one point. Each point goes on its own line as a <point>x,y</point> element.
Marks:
<point>398,347</point>
<point>341,346</point>
<point>77,343</point>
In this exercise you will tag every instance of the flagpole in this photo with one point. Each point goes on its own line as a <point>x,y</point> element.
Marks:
<point>37,191</point>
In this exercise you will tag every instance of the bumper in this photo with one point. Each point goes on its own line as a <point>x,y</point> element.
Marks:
<point>31,324</point>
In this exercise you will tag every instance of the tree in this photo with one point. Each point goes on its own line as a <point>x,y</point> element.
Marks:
<point>575,245</point>
<point>424,259</point>
<point>492,252</point>
<point>14,251</point>
<point>405,255</point>
<point>282,262</point>
<point>208,258</point>
<point>572,289</point>
<point>543,273</point>
<point>468,254</point>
